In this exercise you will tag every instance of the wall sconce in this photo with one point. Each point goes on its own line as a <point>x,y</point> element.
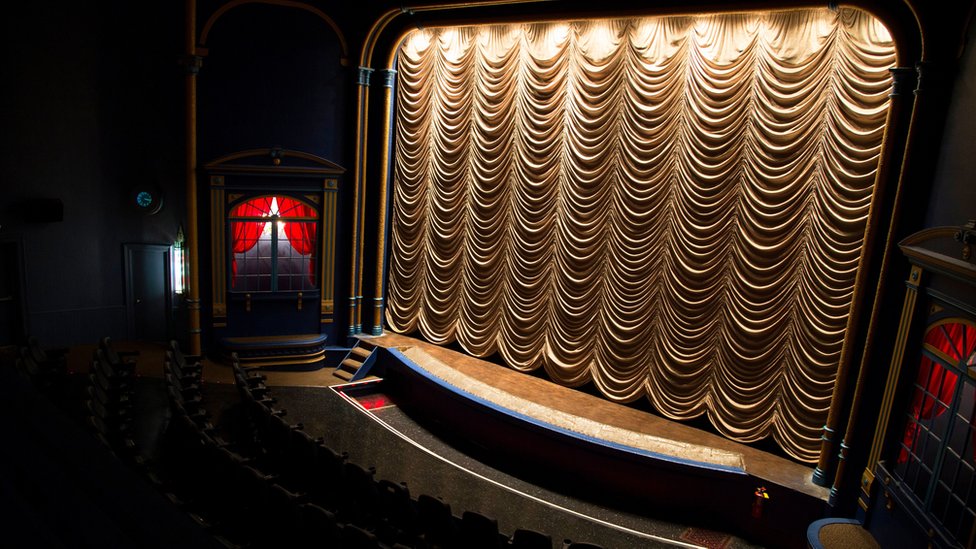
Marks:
<point>179,264</point>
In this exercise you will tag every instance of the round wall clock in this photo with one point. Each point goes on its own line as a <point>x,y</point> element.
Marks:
<point>148,200</point>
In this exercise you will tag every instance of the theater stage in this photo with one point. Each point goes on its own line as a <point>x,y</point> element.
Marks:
<point>633,454</point>
<point>593,417</point>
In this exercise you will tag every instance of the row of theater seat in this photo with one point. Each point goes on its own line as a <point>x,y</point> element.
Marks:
<point>110,396</point>
<point>271,484</point>
<point>381,512</point>
<point>45,369</point>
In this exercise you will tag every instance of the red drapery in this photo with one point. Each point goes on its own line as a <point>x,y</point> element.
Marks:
<point>955,340</point>
<point>245,234</point>
<point>301,234</point>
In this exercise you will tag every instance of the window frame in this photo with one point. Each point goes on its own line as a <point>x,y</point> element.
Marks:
<point>902,473</point>
<point>273,219</point>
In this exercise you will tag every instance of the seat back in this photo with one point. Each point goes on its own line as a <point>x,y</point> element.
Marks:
<point>479,531</point>
<point>435,520</point>
<point>525,538</point>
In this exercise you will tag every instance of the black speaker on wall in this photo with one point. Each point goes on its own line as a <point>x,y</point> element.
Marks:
<point>43,210</point>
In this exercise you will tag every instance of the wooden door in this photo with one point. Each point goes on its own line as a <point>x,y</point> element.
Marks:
<point>148,271</point>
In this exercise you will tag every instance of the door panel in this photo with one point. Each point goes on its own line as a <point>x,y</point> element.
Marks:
<point>11,309</point>
<point>148,276</point>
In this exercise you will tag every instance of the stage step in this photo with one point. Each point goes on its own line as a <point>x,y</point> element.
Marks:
<point>357,363</point>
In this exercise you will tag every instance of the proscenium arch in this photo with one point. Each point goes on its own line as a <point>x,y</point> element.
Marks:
<point>343,45</point>
<point>913,42</point>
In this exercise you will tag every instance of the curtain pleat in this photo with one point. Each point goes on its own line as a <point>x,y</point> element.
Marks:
<point>670,208</point>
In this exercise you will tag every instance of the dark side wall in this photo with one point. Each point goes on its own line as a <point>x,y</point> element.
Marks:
<point>91,107</point>
<point>273,76</point>
<point>953,194</point>
<point>94,105</point>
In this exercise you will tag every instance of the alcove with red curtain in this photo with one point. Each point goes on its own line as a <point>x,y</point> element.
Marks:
<point>272,248</point>
<point>920,485</point>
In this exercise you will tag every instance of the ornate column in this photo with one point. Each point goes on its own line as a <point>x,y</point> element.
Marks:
<point>920,128</point>
<point>193,62</point>
<point>359,191</point>
<point>914,282</point>
<point>389,82</point>
<point>886,182</point>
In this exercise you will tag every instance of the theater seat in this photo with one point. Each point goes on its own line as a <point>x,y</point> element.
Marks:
<point>479,531</point>
<point>835,533</point>
<point>436,521</point>
<point>525,538</point>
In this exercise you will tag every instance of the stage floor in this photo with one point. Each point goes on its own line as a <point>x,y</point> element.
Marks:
<point>594,416</point>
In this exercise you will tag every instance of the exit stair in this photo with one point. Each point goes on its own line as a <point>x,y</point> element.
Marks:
<point>358,362</point>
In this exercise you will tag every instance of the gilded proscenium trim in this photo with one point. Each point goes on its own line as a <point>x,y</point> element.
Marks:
<point>330,188</point>
<point>218,257</point>
<point>343,44</point>
<point>914,282</point>
<point>389,83</point>
<point>903,82</point>
<point>867,483</point>
<point>192,226</point>
<point>359,190</point>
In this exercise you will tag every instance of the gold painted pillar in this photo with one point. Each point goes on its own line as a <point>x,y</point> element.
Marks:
<point>886,183</point>
<point>218,261</point>
<point>359,191</point>
<point>193,63</point>
<point>389,82</point>
<point>330,190</point>
<point>908,314</point>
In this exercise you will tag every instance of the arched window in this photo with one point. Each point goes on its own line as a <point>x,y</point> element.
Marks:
<point>273,244</point>
<point>935,458</point>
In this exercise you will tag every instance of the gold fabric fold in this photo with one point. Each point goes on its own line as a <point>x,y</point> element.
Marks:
<point>671,208</point>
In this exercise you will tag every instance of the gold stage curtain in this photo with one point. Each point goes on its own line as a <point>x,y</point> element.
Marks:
<point>671,207</point>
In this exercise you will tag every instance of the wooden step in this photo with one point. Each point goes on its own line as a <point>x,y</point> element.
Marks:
<point>344,375</point>
<point>361,352</point>
<point>358,361</point>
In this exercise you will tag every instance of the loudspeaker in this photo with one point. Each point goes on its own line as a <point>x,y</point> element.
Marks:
<point>43,210</point>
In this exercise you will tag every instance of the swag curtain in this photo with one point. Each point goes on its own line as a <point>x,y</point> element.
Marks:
<point>245,234</point>
<point>671,208</point>
<point>301,234</point>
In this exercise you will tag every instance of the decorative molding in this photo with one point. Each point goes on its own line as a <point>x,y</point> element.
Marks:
<point>327,248</point>
<point>273,161</point>
<point>363,75</point>
<point>388,77</point>
<point>192,64</point>
<point>915,279</point>
<point>218,262</point>
<point>902,80</point>
<point>967,237</point>
<point>940,250</point>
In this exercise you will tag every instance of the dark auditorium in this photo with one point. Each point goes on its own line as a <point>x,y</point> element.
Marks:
<point>488,274</point>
